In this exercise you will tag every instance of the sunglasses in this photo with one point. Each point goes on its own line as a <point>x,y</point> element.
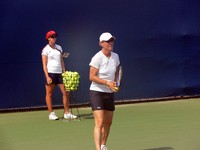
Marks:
<point>53,36</point>
<point>111,40</point>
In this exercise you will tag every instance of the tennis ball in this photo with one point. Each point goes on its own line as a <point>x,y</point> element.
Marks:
<point>72,88</point>
<point>116,89</point>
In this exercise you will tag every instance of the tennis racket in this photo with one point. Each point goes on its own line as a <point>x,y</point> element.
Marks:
<point>119,76</point>
<point>65,54</point>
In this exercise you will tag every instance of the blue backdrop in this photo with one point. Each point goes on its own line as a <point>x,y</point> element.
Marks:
<point>158,42</point>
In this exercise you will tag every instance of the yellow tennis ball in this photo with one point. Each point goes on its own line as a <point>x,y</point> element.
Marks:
<point>116,89</point>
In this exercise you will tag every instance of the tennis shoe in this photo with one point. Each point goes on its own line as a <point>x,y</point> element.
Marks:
<point>69,116</point>
<point>52,116</point>
<point>103,147</point>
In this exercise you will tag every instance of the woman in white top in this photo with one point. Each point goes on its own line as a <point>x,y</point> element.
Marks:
<point>53,66</point>
<point>103,67</point>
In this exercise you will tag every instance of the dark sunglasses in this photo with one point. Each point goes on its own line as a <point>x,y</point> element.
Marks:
<point>111,40</point>
<point>53,36</point>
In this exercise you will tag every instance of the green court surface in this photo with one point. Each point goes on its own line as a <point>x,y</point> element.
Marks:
<point>170,125</point>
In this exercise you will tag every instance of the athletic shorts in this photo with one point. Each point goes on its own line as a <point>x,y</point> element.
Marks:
<point>102,101</point>
<point>56,78</point>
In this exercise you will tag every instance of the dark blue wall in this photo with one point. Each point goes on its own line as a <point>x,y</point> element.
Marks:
<point>158,42</point>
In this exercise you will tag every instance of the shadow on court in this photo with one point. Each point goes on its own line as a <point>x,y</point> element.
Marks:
<point>160,148</point>
<point>87,116</point>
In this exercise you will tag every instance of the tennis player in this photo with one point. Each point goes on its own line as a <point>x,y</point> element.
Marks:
<point>53,66</point>
<point>103,67</point>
